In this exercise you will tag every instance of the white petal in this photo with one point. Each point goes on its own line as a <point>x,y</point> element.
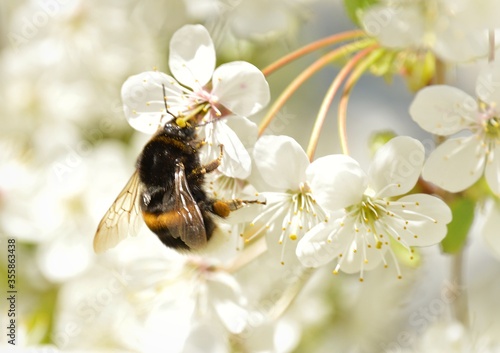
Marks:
<point>192,56</point>
<point>458,42</point>
<point>228,302</point>
<point>395,27</point>
<point>281,162</point>
<point>236,161</point>
<point>456,164</point>
<point>337,181</point>
<point>491,226</point>
<point>204,336</point>
<point>359,257</point>
<point>480,14</point>
<point>241,88</point>
<point>143,101</point>
<point>232,315</point>
<point>443,110</point>
<point>492,171</point>
<point>488,84</point>
<point>246,130</point>
<point>396,166</point>
<point>420,219</point>
<point>314,249</point>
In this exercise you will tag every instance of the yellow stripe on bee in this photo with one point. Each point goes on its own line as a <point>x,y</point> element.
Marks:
<point>159,221</point>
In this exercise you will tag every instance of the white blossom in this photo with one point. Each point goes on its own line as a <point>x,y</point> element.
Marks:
<point>460,161</point>
<point>454,30</point>
<point>197,89</point>
<point>291,185</point>
<point>365,217</point>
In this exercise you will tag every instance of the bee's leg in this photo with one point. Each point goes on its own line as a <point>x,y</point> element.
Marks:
<point>210,167</point>
<point>223,208</point>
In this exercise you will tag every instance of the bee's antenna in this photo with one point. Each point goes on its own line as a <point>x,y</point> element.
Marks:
<point>165,100</point>
<point>207,122</point>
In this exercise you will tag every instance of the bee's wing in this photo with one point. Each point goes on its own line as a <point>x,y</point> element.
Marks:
<point>192,228</point>
<point>122,218</point>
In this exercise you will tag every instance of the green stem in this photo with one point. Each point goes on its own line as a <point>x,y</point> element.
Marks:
<point>334,39</point>
<point>373,56</point>
<point>306,74</point>
<point>460,306</point>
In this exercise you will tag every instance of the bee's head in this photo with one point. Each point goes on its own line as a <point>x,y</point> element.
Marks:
<point>186,132</point>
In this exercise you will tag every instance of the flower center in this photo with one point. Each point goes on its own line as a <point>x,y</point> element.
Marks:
<point>296,212</point>
<point>209,102</point>
<point>367,213</point>
<point>492,128</point>
<point>490,123</point>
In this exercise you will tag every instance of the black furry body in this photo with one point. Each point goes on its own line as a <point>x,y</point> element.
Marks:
<point>157,167</point>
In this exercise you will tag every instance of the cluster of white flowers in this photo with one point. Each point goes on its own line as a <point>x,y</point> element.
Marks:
<point>264,282</point>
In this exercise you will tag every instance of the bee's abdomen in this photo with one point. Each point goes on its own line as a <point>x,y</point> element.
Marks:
<point>165,224</point>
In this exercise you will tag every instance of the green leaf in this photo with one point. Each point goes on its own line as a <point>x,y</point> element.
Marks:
<point>355,8</point>
<point>463,216</point>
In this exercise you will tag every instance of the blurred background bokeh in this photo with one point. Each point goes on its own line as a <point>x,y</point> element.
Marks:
<point>66,150</point>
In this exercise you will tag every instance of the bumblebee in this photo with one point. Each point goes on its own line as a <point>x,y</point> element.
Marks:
<point>167,190</point>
